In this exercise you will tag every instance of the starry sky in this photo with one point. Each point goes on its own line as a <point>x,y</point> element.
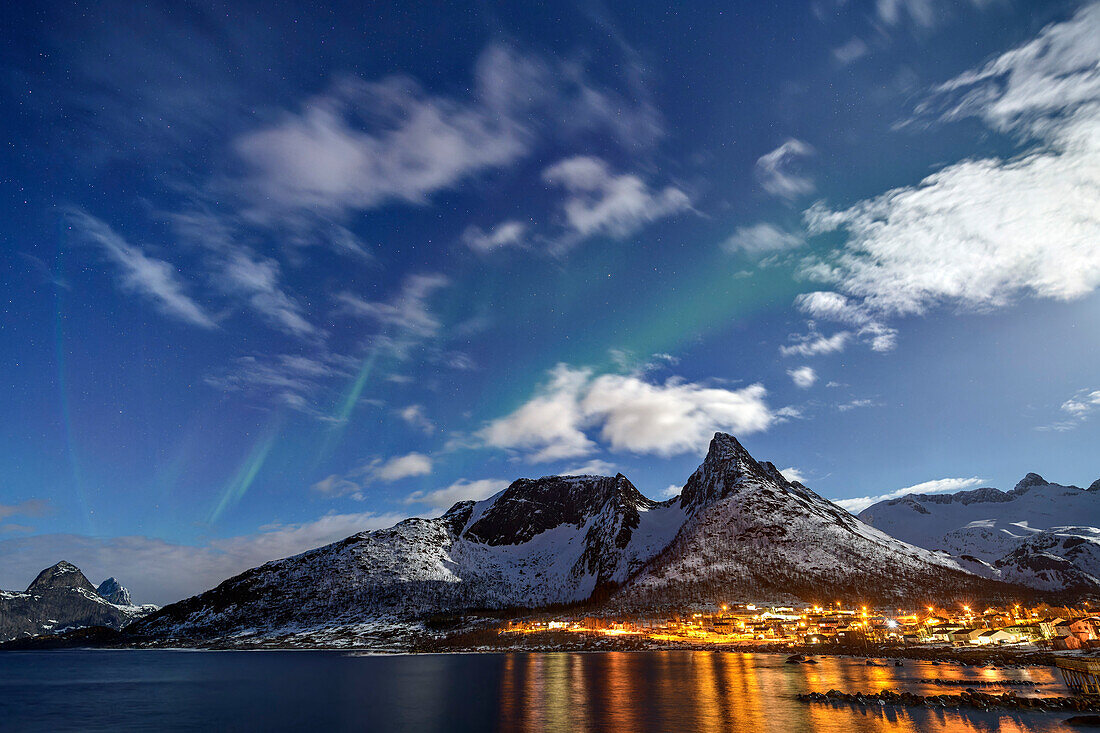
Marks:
<point>273,275</point>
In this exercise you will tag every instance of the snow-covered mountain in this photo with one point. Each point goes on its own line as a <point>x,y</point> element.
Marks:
<point>738,529</point>
<point>752,534</point>
<point>1039,534</point>
<point>61,598</point>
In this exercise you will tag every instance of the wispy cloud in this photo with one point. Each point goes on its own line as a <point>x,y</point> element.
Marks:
<point>1076,410</point>
<point>377,470</point>
<point>600,202</point>
<point>154,279</point>
<point>503,235</point>
<point>814,343</point>
<point>28,508</point>
<point>850,52</point>
<point>762,238</point>
<point>462,490</point>
<point>937,486</point>
<point>291,380</point>
<point>415,416</point>
<point>778,171</point>
<point>408,311</point>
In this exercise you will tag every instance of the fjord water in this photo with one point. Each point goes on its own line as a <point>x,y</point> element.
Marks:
<point>615,691</point>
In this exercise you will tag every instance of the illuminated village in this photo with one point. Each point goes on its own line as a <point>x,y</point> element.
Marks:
<point>1056,628</point>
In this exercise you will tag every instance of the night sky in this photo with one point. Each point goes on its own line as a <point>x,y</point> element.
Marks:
<point>273,275</point>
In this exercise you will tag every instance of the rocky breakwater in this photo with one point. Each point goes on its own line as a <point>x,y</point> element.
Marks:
<point>967,699</point>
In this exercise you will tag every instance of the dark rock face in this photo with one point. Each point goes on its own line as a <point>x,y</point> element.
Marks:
<point>531,506</point>
<point>62,576</point>
<point>60,598</point>
<point>113,591</point>
<point>1027,482</point>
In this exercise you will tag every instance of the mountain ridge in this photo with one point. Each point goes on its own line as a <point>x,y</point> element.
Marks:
<point>571,540</point>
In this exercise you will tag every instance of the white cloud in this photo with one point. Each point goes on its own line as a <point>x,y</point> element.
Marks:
<point>414,415</point>
<point>761,238</point>
<point>815,344</point>
<point>856,404</point>
<point>981,233</point>
<point>154,279</point>
<point>629,414</point>
<point>793,475</point>
<point>505,234</point>
<point>849,52</point>
<point>602,203</point>
<point>362,144</point>
<point>594,467</point>
<point>394,469</point>
<point>777,172</point>
<point>1077,409</point>
<point>937,486</point>
<point>549,423</point>
<point>671,491</point>
<point>407,311</point>
<point>327,157</point>
<point>461,490</point>
<point>803,377</point>
<point>384,470</point>
<point>160,572</point>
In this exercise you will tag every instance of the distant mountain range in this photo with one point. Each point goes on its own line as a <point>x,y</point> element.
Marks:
<point>1039,534</point>
<point>738,530</point>
<point>61,598</point>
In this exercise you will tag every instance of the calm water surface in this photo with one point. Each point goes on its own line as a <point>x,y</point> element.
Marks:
<point>642,691</point>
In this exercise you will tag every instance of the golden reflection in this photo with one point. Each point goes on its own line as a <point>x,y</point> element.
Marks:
<point>723,691</point>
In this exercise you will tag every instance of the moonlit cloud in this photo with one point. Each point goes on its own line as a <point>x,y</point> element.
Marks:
<point>777,170</point>
<point>503,235</point>
<point>937,486</point>
<point>407,311</point>
<point>815,344</point>
<point>761,238</point>
<point>441,500</point>
<point>149,277</point>
<point>600,202</point>
<point>849,52</point>
<point>415,416</point>
<point>594,467</point>
<point>394,469</point>
<point>377,470</point>
<point>793,475</point>
<point>628,413</point>
<point>803,377</point>
<point>290,380</point>
<point>257,281</point>
<point>362,144</point>
<point>982,233</point>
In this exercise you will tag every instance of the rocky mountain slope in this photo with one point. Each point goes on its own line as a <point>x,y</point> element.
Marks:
<point>61,598</point>
<point>739,529</point>
<point>751,533</point>
<point>1040,534</point>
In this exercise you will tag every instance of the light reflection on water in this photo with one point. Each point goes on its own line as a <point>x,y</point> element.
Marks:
<point>717,691</point>
<point>678,691</point>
